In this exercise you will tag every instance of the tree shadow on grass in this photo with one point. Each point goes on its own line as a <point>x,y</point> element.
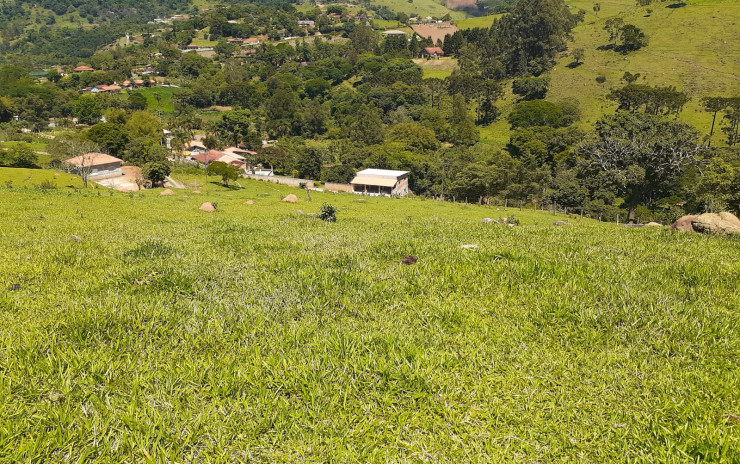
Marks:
<point>676,5</point>
<point>229,187</point>
<point>574,65</point>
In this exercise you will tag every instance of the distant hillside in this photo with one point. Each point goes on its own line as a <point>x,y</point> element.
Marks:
<point>695,47</point>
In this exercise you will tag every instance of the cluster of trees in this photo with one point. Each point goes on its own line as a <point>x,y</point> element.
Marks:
<point>623,37</point>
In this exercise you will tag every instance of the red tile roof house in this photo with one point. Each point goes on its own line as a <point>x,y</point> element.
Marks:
<point>83,69</point>
<point>207,157</point>
<point>432,52</point>
<point>229,157</point>
<point>99,165</point>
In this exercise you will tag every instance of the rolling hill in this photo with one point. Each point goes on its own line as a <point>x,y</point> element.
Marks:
<point>695,47</point>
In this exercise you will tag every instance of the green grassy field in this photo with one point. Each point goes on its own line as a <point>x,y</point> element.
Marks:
<point>260,334</point>
<point>481,21</point>
<point>440,68</point>
<point>16,177</point>
<point>383,24</point>
<point>421,8</point>
<point>167,105</point>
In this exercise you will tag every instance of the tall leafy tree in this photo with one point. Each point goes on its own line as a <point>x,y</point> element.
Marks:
<point>643,154</point>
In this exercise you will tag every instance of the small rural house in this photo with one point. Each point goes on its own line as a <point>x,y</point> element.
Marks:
<point>231,157</point>
<point>432,52</point>
<point>97,164</point>
<point>381,182</point>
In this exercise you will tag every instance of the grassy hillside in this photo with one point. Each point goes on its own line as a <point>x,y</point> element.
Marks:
<point>695,47</point>
<point>421,8</point>
<point>260,334</point>
<point>471,23</point>
<point>16,177</point>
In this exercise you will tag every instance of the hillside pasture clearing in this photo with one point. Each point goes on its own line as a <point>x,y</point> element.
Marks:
<point>481,21</point>
<point>439,68</point>
<point>166,104</point>
<point>259,333</point>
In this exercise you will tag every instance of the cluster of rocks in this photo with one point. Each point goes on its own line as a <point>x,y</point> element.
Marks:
<point>708,223</point>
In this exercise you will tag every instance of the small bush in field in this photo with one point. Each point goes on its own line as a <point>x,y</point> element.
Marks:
<point>328,213</point>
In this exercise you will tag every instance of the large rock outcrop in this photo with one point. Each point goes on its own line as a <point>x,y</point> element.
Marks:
<point>708,223</point>
<point>712,223</point>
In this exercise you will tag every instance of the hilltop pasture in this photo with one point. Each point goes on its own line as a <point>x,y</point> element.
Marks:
<point>260,334</point>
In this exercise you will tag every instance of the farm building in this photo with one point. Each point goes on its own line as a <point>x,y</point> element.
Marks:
<point>432,52</point>
<point>98,164</point>
<point>381,182</point>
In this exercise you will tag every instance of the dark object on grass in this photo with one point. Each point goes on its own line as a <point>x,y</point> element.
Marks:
<point>14,287</point>
<point>409,259</point>
<point>328,213</point>
<point>75,238</point>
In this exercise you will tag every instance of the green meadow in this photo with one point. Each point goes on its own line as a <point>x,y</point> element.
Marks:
<point>16,177</point>
<point>480,21</point>
<point>259,333</point>
<point>166,103</point>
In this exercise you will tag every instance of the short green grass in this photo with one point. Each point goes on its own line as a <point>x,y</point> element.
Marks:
<point>17,177</point>
<point>260,334</point>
